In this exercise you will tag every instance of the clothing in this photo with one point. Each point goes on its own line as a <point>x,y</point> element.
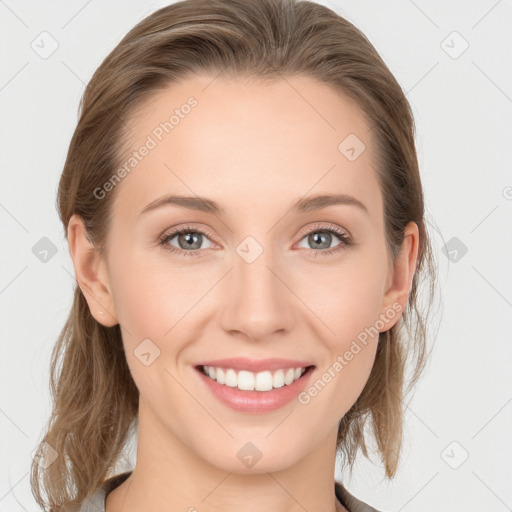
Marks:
<point>96,503</point>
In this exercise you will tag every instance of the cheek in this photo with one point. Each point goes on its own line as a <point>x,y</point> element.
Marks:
<point>136,299</point>
<point>149,305</point>
<point>156,301</point>
<point>149,298</point>
<point>347,299</point>
<point>350,343</point>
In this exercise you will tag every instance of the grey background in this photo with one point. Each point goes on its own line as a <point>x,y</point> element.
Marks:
<point>462,102</point>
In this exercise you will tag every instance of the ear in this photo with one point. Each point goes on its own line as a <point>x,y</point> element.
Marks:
<point>400,277</point>
<point>91,273</point>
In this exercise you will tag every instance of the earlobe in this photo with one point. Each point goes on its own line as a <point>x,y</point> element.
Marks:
<point>404,268</point>
<point>91,273</point>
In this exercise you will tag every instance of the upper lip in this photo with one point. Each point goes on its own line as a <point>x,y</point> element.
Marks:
<point>255,365</point>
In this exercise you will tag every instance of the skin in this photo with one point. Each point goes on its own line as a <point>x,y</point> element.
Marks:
<point>255,148</point>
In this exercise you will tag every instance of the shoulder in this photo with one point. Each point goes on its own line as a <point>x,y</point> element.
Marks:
<point>96,502</point>
<point>350,502</point>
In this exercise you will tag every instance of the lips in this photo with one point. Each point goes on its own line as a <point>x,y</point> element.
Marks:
<point>254,365</point>
<point>253,401</point>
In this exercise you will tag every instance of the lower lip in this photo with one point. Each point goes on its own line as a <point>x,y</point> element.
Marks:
<point>256,401</point>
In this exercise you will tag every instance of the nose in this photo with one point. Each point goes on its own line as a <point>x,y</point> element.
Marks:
<point>258,303</point>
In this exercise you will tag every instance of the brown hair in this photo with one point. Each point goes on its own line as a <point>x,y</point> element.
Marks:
<point>95,400</point>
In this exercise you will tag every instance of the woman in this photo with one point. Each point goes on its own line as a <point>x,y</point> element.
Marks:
<point>244,212</point>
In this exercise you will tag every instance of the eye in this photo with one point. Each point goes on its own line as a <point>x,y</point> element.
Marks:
<point>189,241</point>
<point>321,237</point>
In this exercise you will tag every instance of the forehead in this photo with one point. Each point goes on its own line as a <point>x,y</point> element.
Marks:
<point>251,143</point>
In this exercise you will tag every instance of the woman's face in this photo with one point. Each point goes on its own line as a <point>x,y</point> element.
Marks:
<point>255,277</point>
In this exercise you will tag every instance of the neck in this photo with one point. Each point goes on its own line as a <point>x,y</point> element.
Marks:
<point>170,476</point>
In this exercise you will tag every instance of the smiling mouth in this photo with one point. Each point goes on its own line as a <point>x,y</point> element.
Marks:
<point>255,381</point>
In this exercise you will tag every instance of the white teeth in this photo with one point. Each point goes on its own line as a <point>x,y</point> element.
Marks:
<point>263,381</point>
<point>290,375</point>
<point>250,381</point>
<point>278,379</point>
<point>230,379</point>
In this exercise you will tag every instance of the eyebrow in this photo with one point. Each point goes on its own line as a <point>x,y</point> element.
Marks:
<point>306,204</point>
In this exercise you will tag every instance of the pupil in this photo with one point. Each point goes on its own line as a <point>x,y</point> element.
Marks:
<point>189,237</point>
<point>317,238</point>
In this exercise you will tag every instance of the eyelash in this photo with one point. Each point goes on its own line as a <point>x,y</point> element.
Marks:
<point>345,240</point>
